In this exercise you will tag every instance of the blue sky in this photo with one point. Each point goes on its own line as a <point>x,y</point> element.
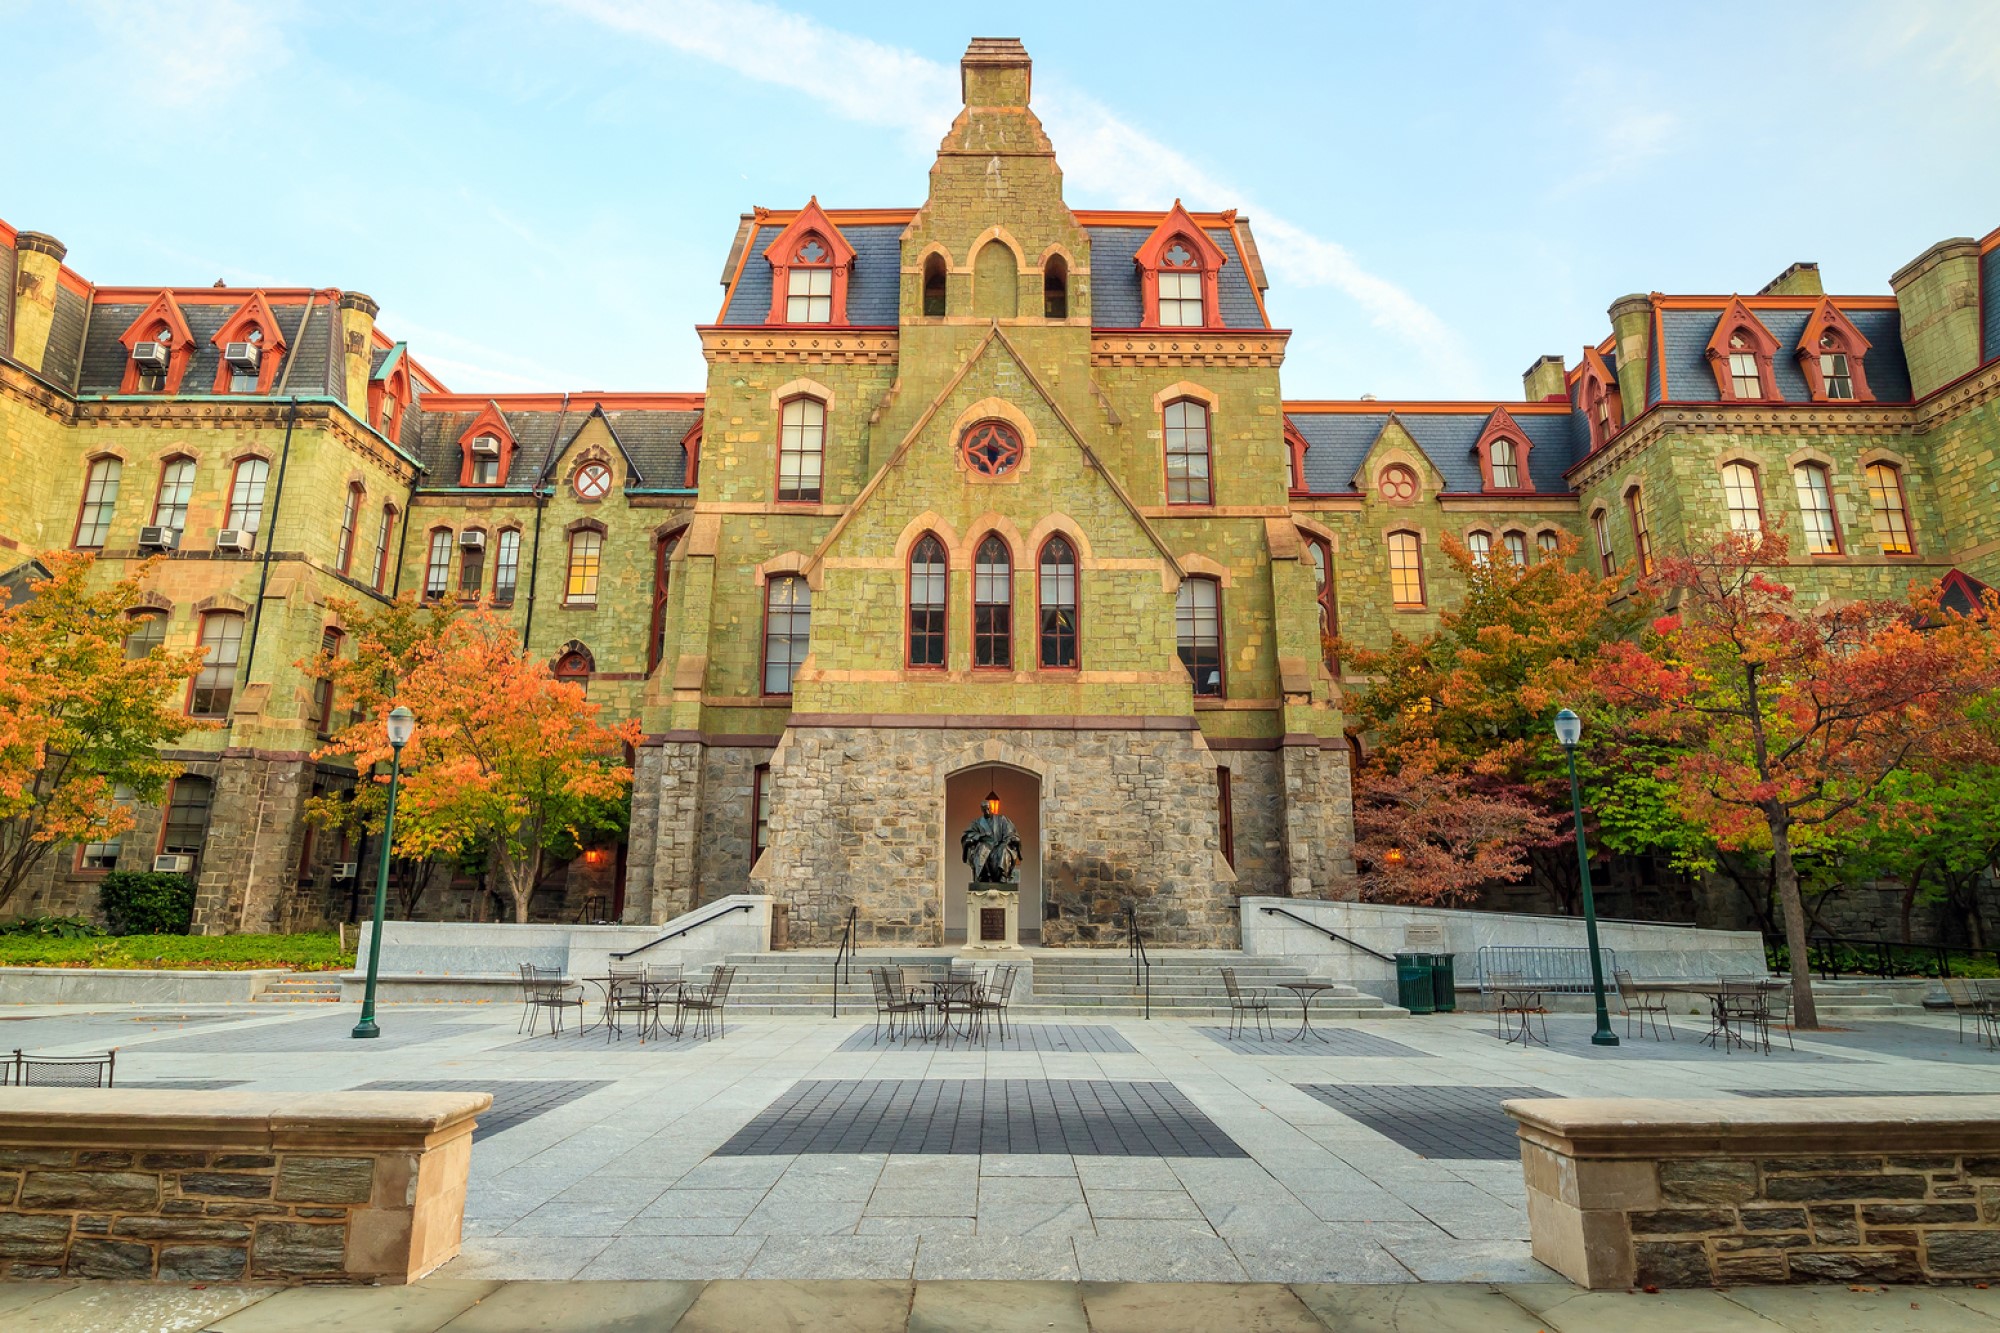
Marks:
<point>541,195</point>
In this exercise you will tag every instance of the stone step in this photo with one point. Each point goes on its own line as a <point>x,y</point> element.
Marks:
<point>300,990</point>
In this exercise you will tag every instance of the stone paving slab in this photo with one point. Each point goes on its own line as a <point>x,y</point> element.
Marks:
<point>1571,1036</point>
<point>1095,1038</point>
<point>318,1034</point>
<point>1338,1042</point>
<point>1442,1122</point>
<point>514,1101</point>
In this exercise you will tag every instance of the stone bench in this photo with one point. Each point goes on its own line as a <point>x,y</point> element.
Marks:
<point>1630,1192</point>
<point>232,1186</point>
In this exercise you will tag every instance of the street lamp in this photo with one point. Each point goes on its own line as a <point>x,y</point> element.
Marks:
<point>401,725</point>
<point>1569,730</point>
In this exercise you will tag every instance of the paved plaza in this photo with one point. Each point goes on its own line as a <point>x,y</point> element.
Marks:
<point>1117,1150</point>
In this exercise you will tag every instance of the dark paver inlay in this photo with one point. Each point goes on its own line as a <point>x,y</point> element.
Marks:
<point>1569,1034</point>
<point>514,1102</point>
<point>1086,1038</point>
<point>1080,1117</point>
<point>1358,1045</point>
<point>1846,1092</point>
<point>1432,1121</point>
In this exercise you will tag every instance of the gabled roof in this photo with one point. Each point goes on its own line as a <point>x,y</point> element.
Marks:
<point>1679,370</point>
<point>1340,435</point>
<point>313,363</point>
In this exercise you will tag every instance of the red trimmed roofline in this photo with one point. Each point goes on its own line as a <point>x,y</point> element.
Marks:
<point>1215,331</point>
<point>553,402</point>
<point>1795,302</point>
<point>802,330</point>
<point>1353,407</point>
<point>1086,217</point>
<point>206,295</point>
<point>1990,241</point>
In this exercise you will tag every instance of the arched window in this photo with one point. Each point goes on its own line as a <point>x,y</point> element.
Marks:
<point>809,283</point>
<point>1406,569</point>
<point>471,563</point>
<point>100,501</point>
<point>787,630</point>
<point>1815,493</point>
<point>215,684</point>
<point>1055,288</point>
<point>170,508</point>
<point>1321,555</point>
<point>246,495</point>
<point>1642,531</point>
<point>437,569</point>
<point>1891,508</point>
<point>1743,493</point>
<point>152,378</point>
<point>149,631</point>
<point>350,516</point>
<point>996,282</point>
<point>1057,630</point>
<point>1744,379</point>
<point>485,461</point>
<point>663,560</point>
<point>929,578</point>
<point>1607,555</point>
<point>1835,375</point>
<point>992,448</point>
<point>1180,287</point>
<point>1397,485</point>
<point>586,556</point>
<point>1198,633</point>
<point>574,663</point>
<point>507,566</point>
<point>1517,548</point>
<point>329,646</point>
<point>1480,546</point>
<point>934,285</point>
<point>801,449</point>
<point>385,533</point>
<point>1548,543</point>
<point>1506,462</point>
<point>185,827</point>
<point>1186,423</point>
<point>245,374</point>
<point>993,605</point>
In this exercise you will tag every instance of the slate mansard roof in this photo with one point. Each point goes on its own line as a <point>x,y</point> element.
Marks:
<point>312,365</point>
<point>649,436</point>
<point>1339,437</point>
<point>1686,327</point>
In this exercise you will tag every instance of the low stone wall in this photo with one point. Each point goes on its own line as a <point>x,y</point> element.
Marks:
<point>119,985</point>
<point>231,1187</point>
<point>1625,1192</point>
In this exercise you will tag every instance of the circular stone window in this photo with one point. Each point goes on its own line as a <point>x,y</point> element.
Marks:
<point>991,448</point>
<point>592,481</point>
<point>1398,484</point>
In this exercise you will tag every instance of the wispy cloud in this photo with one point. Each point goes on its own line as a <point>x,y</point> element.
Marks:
<point>874,84</point>
<point>1619,127</point>
<point>181,53</point>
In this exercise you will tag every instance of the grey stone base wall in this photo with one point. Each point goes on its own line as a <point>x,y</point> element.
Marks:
<point>692,827</point>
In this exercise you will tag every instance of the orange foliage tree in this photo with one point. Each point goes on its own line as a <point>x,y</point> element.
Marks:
<point>1784,723</point>
<point>506,758</point>
<point>1423,834</point>
<point>79,719</point>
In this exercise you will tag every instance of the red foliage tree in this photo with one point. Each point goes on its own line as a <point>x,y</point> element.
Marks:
<point>1425,834</point>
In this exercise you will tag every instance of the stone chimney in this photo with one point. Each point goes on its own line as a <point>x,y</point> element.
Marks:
<point>37,274</point>
<point>357,347</point>
<point>996,71</point>
<point>1801,279</point>
<point>1632,326</point>
<point>1938,295</point>
<point>1543,382</point>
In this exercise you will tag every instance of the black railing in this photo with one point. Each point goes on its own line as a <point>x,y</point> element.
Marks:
<point>1142,966</point>
<point>1330,934</point>
<point>733,907</point>
<point>844,955</point>
<point>1847,955</point>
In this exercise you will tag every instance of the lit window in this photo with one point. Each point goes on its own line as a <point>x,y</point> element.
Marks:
<point>1744,379</point>
<point>993,605</point>
<point>801,449</point>
<point>592,481</point>
<point>586,554</point>
<point>246,495</point>
<point>1607,555</point>
<point>1891,509</point>
<point>384,534</point>
<point>215,684</point>
<point>787,630</point>
<point>991,448</point>
<point>1816,509</point>
<point>760,810</point>
<point>185,828</point>
<point>1180,289</point>
<point>1187,453</point>
<point>1642,532</point>
<point>1741,491</point>
<point>1480,546</point>
<point>929,577</point>
<point>1397,484</point>
<point>1058,602</point>
<point>471,567</point>
<point>242,380</point>
<point>809,285</point>
<point>507,566</point>
<point>100,500</point>
<point>1323,593</point>
<point>1198,633</point>
<point>103,854</point>
<point>149,631</point>
<point>1506,460</point>
<point>1517,548</point>
<point>437,571</point>
<point>1406,569</point>
<point>170,510</point>
<point>1548,542</point>
<point>350,514</point>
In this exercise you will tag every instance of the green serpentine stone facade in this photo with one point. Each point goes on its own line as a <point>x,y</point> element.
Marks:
<point>648,536</point>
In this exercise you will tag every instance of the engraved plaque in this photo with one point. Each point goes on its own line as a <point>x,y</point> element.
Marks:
<point>993,924</point>
<point>1423,939</point>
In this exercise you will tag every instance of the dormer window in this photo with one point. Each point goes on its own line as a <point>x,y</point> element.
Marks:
<point>1178,267</point>
<point>485,461</point>
<point>1597,398</point>
<point>1832,356</point>
<point>151,358</point>
<point>1506,465</point>
<point>1745,382</point>
<point>486,448</point>
<point>809,284</point>
<point>1503,450</point>
<point>1739,353</point>
<point>159,348</point>
<point>1833,371</point>
<point>810,265</point>
<point>242,359</point>
<point>1180,289</point>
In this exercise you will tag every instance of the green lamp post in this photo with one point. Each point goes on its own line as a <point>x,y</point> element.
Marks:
<point>1569,730</point>
<point>401,725</point>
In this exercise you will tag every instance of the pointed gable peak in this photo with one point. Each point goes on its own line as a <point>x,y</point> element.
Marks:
<point>163,310</point>
<point>1501,422</point>
<point>1830,318</point>
<point>811,220</point>
<point>1738,319</point>
<point>490,420</point>
<point>1177,224</point>
<point>253,313</point>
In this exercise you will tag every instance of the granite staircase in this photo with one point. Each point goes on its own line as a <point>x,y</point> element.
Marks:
<point>302,988</point>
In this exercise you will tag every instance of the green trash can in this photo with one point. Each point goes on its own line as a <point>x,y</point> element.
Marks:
<point>1444,983</point>
<point>1415,986</point>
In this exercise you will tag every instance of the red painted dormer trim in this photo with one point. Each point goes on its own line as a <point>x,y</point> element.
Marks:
<point>490,421</point>
<point>1501,426</point>
<point>691,446</point>
<point>180,342</point>
<point>254,313</point>
<point>1209,259</point>
<point>1828,318</point>
<point>1295,447</point>
<point>811,221</point>
<point>393,388</point>
<point>1597,387</point>
<point>1736,318</point>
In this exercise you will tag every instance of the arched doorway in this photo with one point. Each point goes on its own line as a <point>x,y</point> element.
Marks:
<point>1020,794</point>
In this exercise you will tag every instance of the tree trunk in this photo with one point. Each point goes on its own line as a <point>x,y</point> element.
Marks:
<point>1805,1016</point>
<point>519,876</point>
<point>1910,890</point>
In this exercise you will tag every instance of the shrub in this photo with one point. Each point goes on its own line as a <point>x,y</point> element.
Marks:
<point>52,927</point>
<point>140,902</point>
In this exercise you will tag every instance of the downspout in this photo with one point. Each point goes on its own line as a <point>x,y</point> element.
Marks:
<point>541,503</point>
<point>277,498</point>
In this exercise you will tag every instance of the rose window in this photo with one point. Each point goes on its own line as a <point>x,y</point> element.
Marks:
<point>593,481</point>
<point>1398,484</point>
<point>992,448</point>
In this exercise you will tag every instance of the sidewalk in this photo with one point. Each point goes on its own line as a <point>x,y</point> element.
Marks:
<point>451,1306</point>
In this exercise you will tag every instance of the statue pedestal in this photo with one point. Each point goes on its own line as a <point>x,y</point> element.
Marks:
<point>992,920</point>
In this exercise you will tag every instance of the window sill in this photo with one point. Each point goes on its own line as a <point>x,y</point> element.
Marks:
<point>579,606</point>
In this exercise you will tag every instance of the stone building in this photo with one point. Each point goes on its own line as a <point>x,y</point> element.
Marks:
<point>986,495</point>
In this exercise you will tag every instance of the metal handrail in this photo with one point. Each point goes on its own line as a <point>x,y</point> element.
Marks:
<point>1330,934</point>
<point>1136,946</point>
<point>845,952</point>
<point>733,907</point>
<point>1820,954</point>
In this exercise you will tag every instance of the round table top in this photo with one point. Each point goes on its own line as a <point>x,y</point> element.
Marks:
<point>1307,985</point>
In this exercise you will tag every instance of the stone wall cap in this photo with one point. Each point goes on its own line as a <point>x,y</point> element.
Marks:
<point>28,1115</point>
<point>1627,1126</point>
<point>1957,247</point>
<point>204,975</point>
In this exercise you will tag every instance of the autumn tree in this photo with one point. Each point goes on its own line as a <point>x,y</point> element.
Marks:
<point>507,760</point>
<point>1785,724</point>
<point>1427,835</point>
<point>80,719</point>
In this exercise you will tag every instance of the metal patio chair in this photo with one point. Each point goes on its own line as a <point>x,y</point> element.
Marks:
<point>1648,1004</point>
<point>64,1071</point>
<point>893,1003</point>
<point>994,997</point>
<point>546,989</point>
<point>1253,1002</point>
<point>707,1003</point>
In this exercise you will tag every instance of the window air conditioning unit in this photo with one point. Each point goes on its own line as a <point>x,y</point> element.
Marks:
<point>472,540</point>
<point>235,539</point>
<point>150,356</point>
<point>486,445</point>
<point>240,356</point>
<point>159,539</point>
<point>172,865</point>
<point>343,870</point>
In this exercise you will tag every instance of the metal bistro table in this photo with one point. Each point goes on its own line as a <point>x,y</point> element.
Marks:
<point>1307,991</point>
<point>655,991</point>
<point>947,995</point>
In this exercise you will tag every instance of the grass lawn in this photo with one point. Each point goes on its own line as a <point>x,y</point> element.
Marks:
<point>216,953</point>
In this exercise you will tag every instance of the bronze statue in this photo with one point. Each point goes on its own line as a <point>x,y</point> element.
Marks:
<point>990,845</point>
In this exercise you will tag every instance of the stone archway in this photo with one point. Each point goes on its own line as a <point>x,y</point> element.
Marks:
<point>1020,793</point>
